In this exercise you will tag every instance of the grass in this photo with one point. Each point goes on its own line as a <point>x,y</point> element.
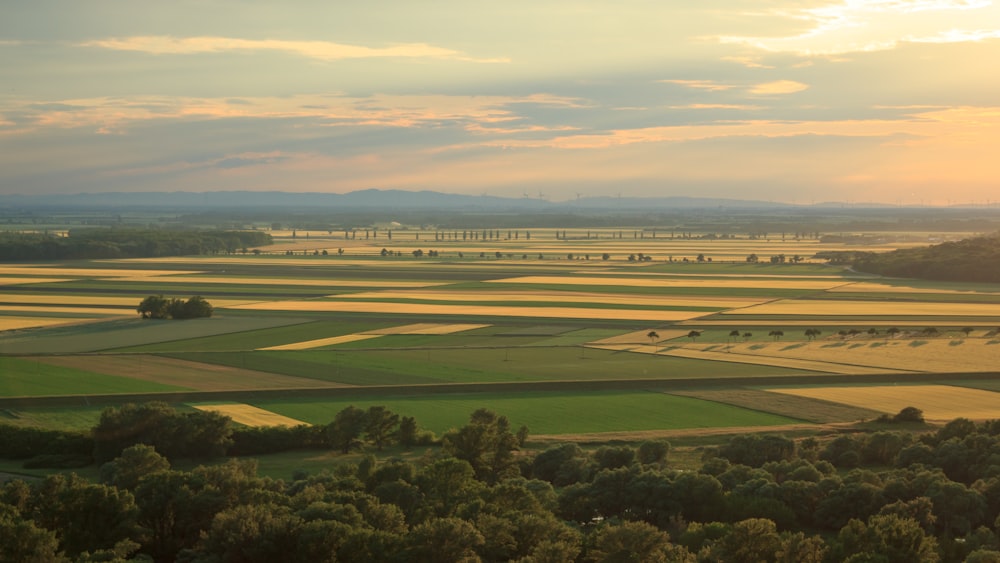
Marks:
<point>251,339</point>
<point>802,408</point>
<point>81,418</point>
<point>26,378</point>
<point>546,413</point>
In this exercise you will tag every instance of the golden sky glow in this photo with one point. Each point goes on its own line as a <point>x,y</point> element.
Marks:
<point>893,101</point>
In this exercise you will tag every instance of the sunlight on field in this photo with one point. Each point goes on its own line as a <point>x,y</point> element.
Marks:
<point>639,337</point>
<point>938,402</point>
<point>871,287</point>
<point>558,297</point>
<point>250,416</point>
<point>784,283</point>
<point>16,323</point>
<point>426,328</point>
<point>25,281</point>
<point>443,309</point>
<point>91,272</point>
<point>108,300</point>
<point>739,322</point>
<point>322,342</point>
<point>68,310</point>
<point>310,282</point>
<point>942,355</point>
<point>804,307</point>
<point>734,356</point>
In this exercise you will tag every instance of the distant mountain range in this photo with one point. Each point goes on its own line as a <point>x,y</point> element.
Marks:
<point>365,200</point>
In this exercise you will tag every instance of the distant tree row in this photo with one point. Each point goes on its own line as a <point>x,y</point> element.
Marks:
<point>160,307</point>
<point>98,243</point>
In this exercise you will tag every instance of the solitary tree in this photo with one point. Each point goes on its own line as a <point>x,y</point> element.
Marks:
<point>892,332</point>
<point>694,334</point>
<point>747,336</point>
<point>873,332</point>
<point>734,334</point>
<point>776,334</point>
<point>967,330</point>
<point>812,333</point>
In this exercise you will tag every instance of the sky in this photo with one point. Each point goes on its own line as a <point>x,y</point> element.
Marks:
<point>799,101</point>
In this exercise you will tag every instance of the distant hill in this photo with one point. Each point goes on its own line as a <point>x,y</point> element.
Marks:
<point>364,200</point>
<point>970,260</point>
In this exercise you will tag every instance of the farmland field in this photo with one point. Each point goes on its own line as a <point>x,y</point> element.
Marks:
<point>938,402</point>
<point>525,312</point>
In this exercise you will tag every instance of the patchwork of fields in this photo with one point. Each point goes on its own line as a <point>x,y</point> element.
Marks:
<point>530,313</point>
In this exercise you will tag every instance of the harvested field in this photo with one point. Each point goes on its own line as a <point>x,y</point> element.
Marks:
<point>857,323</point>
<point>794,406</point>
<point>666,283</point>
<point>68,310</point>
<point>938,402</point>
<point>871,287</point>
<point>806,307</point>
<point>943,355</point>
<point>560,297</point>
<point>639,337</point>
<point>471,310</point>
<point>426,328</point>
<point>184,373</point>
<point>16,323</point>
<point>248,415</point>
<point>24,281</point>
<point>87,300</point>
<point>305,282</point>
<point>92,272</point>
<point>319,342</point>
<point>734,356</point>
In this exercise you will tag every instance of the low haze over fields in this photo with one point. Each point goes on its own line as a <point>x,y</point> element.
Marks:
<point>879,100</point>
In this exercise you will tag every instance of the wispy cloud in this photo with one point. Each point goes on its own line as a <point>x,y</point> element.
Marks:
<point>319,50</point>
<point>778,87</point>
<point>764,88</point>
<point>709,85</point>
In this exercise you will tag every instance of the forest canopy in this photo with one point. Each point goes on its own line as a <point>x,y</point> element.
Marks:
<point>970,260</point>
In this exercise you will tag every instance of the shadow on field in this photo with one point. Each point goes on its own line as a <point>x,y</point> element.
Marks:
<point>917,343</point>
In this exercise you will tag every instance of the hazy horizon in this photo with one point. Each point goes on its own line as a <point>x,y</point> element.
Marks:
<point>881,101</point>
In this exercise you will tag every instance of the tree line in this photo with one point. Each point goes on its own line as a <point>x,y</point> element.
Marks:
<point>159,307</point>
<point>970,260</point>
<point>893,495</point>
<point>97,243</point>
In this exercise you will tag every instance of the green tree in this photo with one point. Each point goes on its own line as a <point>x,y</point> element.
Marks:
<point>487,443</point>
<point>23,541</point>
<point>636,542</point>
<point>153,307</point>
<point>380,425</point>
<point>133,464</point>
<point>345,431</point>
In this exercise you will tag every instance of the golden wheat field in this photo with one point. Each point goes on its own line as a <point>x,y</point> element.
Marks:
<point>843,364</point>
<point>307,344</point>
<point>866,323</point>
<point>872,287</point>
<point>640,337</point>
<point>474,310</point>
<point>941,355</point>
<point>67,310</point>
<point>938,402</point>
<point>804,307</point>
<point>87,272</point>
<point>427,328</point>
<point>249,415</point>
<point>785,283</point>
<point>88,300</point>
<point>306,282</point>
<point>557,297</point>
<point>26,281</point>
<point>17,323</point>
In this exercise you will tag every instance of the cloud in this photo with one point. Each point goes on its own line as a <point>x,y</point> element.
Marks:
<point>319,50</point>
<point>778,87</point>
<point>709,85</point>
<point>849,26</point>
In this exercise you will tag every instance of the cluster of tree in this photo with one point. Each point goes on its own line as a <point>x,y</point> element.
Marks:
<point>882,496</point>
<point>159,307</point>
<point>125,243</point>
<point>971,260</point>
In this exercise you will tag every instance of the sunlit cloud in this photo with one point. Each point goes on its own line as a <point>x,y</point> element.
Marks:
<point>709,85</point>
<point>319,50</point>
<point>741,107</point>
<point>872,25</point>
<point>778,87</point>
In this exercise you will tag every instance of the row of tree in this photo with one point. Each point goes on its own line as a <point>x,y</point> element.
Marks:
<point>160,307</point>
<point>99,243</point>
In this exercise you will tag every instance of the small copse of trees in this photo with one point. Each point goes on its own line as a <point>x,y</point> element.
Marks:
<point>159,307</point>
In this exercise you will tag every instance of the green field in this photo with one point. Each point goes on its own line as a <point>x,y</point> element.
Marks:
<point>25,378</point>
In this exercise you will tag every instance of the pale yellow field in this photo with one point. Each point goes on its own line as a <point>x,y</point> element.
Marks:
<point>942,355</point>
<point>698,354</point>
<point>617,271</point>
<point>432,309</point>
<point>640,337</point>
<point>557,297</point>
<point>278,281</point>
<point>68,310</point>
<point>646,282</point>
<point>871,287</point>
<point>16,323</point>
<point>426,328</point>
<point>938,402</point>
<point>322,342</point>
<point>23,280</point>
<point>250,415</point>
<point>89,272</point>
<point>796,307</point>
<point>97,300</point>
<point>740,323</point>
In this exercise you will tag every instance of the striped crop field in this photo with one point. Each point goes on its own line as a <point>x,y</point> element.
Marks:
<point>938,402</point>
<point>728,283</point>
<point>248,415</point>
<point>805,307</point>
<point>720,302</point>
<point>17,323</point>
<point>320,342</point>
